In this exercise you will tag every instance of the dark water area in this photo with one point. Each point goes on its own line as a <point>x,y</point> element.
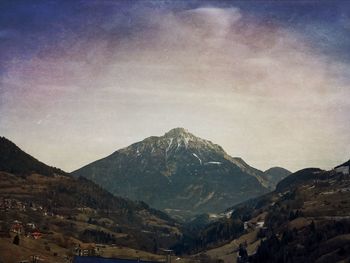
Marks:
<point>79,259</point>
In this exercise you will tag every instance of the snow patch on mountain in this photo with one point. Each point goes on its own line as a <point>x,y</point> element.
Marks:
<point>170,142</point>
<point>195,155</point>
<point>217,163</point>
<point>206,199</point>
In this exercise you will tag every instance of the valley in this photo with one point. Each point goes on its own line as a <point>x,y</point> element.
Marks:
<point>301,221</point>
<point>47,213</point>
<point>174,131</point>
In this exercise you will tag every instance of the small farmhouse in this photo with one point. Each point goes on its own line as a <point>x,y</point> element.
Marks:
<point>87,249</point>
<point>17,227</point>
<point>343,168</point>
<point>36,235</point>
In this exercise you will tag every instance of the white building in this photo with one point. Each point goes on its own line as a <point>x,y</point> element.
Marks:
<point>344,168</point>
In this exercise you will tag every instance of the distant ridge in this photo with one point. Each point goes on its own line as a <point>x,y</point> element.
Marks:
<point>275,174</point>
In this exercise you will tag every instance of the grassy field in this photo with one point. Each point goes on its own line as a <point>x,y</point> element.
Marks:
<point>28,247</point>
<point>49,251</point>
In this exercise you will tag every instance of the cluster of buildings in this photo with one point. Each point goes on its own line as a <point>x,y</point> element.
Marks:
<point>11,204</point>
<point>29,229</point>
<point>8,204</point>
<point>87,250</point>
<point>254,225</point>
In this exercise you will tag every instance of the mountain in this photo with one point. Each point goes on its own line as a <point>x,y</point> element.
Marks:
<point>68,210</point>
<point>306,219</point>
<point>178,173</point>
<point>14,160</point>
<point>275,175</point>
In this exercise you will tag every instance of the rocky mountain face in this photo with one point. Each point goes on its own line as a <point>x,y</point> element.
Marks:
<point>75,208</point>
<point>178,173</point>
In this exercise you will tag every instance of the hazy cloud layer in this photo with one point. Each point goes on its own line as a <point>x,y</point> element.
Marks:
<point>261,90</point>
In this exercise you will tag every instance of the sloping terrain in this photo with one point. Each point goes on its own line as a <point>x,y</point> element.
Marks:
<point>67,211</point>
<point>14,160</point>
<point>306,219</point>
<point>178,173</point>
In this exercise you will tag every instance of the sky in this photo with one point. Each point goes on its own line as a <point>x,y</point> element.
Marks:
<point>266,80</point>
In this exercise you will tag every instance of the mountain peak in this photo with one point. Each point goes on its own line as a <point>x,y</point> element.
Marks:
<point>177,131</point>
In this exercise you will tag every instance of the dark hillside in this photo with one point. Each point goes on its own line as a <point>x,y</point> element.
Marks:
<point>14,160</point>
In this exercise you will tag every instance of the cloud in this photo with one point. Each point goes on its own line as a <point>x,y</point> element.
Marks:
<point>217,21</point>
<point>261,90</point>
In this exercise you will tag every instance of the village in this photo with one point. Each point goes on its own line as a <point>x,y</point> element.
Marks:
<point>25,223</point>
<point>17,228</point>
<point>20,230</point>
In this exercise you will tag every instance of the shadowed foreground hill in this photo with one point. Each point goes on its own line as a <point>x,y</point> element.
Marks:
<point>306,219</point>
<point>14,160</point>
<point>70,210</point>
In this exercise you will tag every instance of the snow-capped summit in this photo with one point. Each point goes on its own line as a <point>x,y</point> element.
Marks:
<point>177,172</point>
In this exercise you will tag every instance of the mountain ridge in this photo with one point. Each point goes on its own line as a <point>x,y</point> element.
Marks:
<point>180,168</point>
<point>275,174</point>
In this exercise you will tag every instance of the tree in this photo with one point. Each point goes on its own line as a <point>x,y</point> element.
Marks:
<point>312,226</point>
<point>242,251</point>
<point>16,240</point>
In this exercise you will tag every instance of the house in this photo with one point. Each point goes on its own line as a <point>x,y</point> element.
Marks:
<point>20,206</point>
<point>246,225</point>
<point>87,249</point>
<point>17,227</point>
<point>343,168</point>
<point>4,204</point>
<point>260,224</point>
<point>36,235</point>
<point>31,226</point>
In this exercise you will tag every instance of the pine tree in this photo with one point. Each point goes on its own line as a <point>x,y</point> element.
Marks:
<point>16,240</point>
